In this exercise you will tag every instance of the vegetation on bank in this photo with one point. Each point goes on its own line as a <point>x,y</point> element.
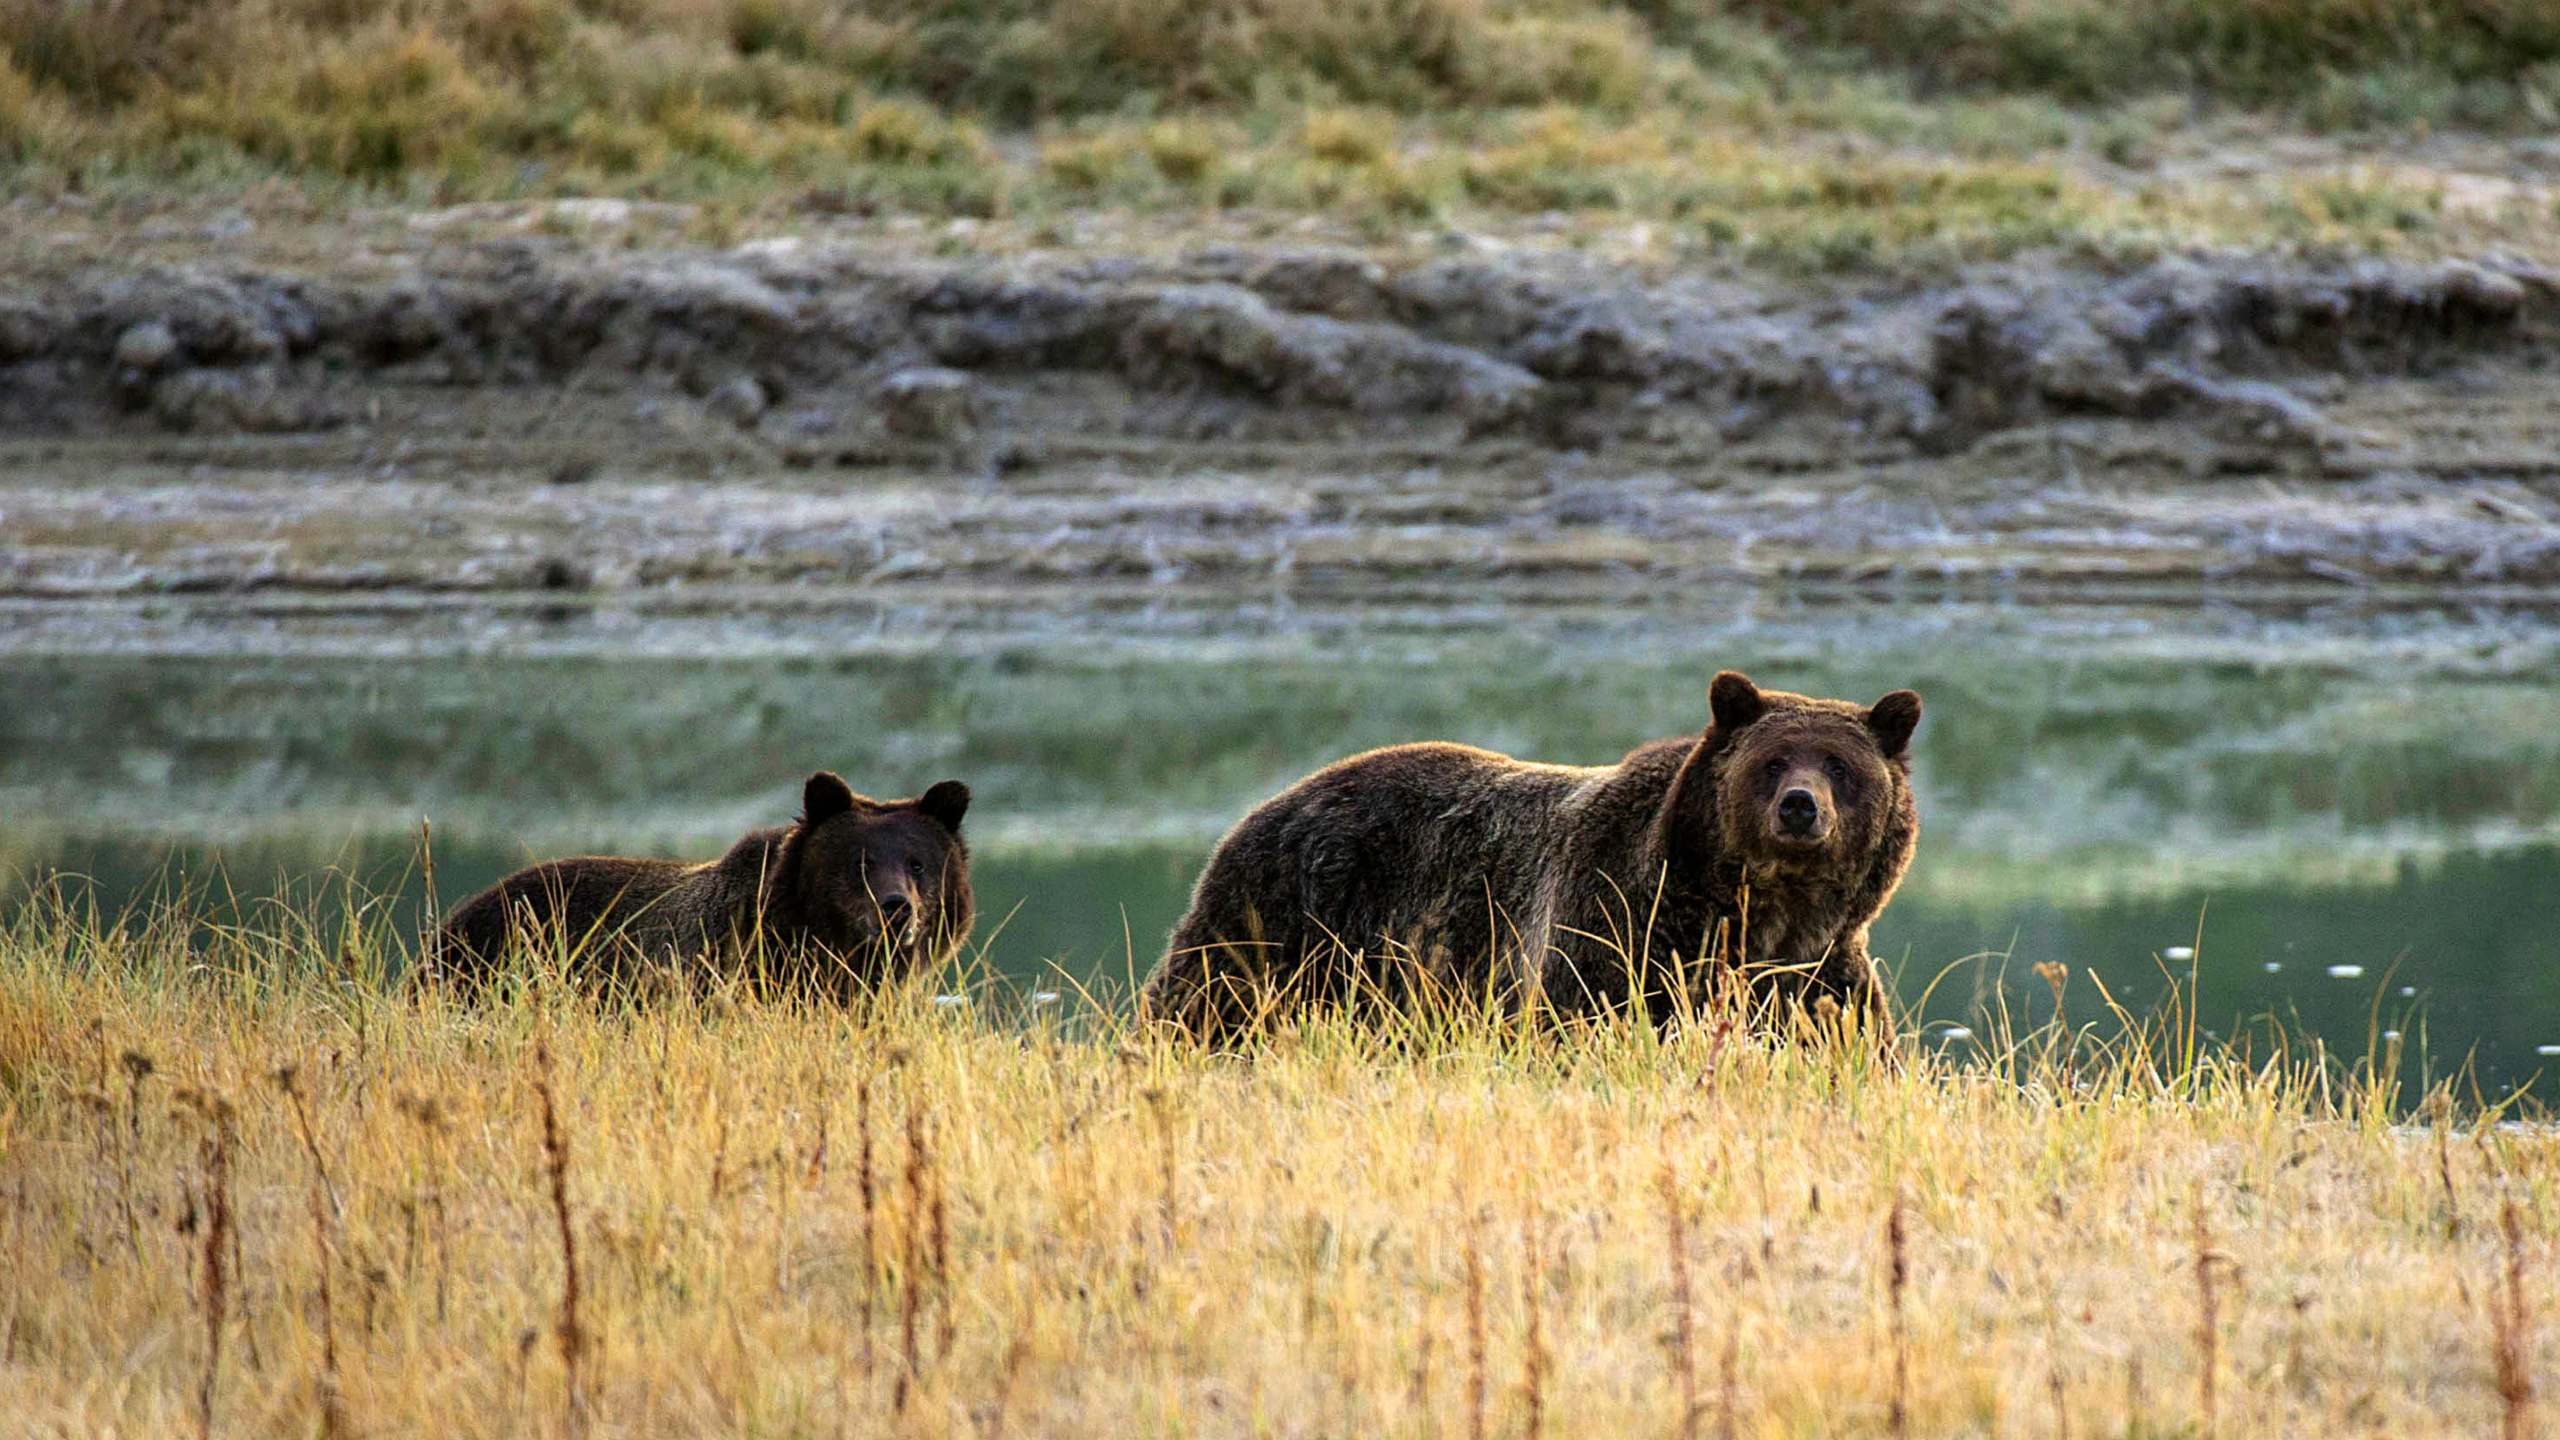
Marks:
<point>266,1190</point>
<point>1825,133</point>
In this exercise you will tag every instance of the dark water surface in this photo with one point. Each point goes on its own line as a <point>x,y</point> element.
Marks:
<point>2360,810</point>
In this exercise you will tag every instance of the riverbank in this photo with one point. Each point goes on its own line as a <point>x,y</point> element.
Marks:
<point>507,407</point>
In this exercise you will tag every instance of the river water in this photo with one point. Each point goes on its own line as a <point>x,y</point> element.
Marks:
<point>2354,815</point>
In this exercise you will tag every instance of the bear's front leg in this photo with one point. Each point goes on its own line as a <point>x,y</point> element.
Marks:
<point>1850,976</point>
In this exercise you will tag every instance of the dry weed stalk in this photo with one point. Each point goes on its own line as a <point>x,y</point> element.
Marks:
<point>430,914</point>
<point>945,1329</point>
<point>1897,1280</point>
<point>1418,1380</point>
<point>2208,1318</point>
<point>867,1181</point>
<point>1729,1386</point>
<point>427,1114</point>
<point>555,1160</point>
<point>782,1171</point>
<point>2444,1177</point>
<point>912,1258</point>
<point>2057,975</point>
<point>817,1169</point>
<point>1475,1328</point>
<point>1159,1106</point>
<point>1017,1353</point>
<point>1684,1320</point>
<point>2513,1325</point>
<point>137,1068</point>
<point>719,1153</point>
<point>323,1204</point>
<point>1533,1341</point>
<point>214,1289</point>
<point>2053,1380</point>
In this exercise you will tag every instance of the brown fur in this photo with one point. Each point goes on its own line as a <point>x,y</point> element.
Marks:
<point>854,892</point>
<point>1447,871</point>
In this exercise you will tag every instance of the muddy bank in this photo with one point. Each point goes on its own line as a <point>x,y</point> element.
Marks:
<point>529,414</point>
<point>799,346</point>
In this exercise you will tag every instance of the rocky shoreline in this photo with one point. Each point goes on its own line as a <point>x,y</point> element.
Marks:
<point>519,414</point>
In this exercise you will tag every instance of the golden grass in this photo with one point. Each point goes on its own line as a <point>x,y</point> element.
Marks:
<point>234,1153</point>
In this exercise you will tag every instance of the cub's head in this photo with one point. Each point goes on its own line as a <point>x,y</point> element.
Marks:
<point>882,883</point>
<point>1809,785</point>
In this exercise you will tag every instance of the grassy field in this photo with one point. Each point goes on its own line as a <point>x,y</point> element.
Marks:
<point>1805,133</point>
<point>249,1184</point>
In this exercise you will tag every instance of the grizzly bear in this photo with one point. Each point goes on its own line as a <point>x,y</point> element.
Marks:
<point>1761,848</point>
<point>855,892</point>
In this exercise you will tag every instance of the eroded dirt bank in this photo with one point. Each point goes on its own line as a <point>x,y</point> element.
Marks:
<point>530,412</point>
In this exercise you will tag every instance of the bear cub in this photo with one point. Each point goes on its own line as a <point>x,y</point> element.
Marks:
<point>1763,847</point>
<point>854,893</point>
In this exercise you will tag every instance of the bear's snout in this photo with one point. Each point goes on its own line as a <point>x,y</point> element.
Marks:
<point>1799,814</point>
<point>897,914</point>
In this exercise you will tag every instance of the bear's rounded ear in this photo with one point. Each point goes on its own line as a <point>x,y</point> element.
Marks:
<point>825,797</point>
<point>1734,701</point>
<point>945,803</point>
<point>1893,718</point>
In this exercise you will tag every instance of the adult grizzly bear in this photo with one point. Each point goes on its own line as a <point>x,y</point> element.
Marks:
<point>1767,844</point>
<point>854,892</point>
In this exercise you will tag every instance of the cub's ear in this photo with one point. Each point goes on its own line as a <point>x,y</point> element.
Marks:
<point>825,797</point>
<point>1734,701</point>
<point>946,803</point>
<point>1893,718</point>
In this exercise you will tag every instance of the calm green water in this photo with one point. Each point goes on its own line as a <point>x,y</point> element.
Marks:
<point>2378,792</point>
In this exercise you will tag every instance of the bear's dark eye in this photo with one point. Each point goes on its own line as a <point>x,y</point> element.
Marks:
<point>1835,767</point>
<point>1774,769</point>
<point>916,868</point>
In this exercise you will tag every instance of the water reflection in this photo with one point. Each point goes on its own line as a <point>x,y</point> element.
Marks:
<point>2349,805</point>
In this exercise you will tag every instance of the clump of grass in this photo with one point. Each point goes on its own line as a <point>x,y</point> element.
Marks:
<point>376,105</point>
<point>896,132</point>
<point>22,108</point>
<point>1020,1214</point>
<point>1347,137</point>
<point>1188,153</point>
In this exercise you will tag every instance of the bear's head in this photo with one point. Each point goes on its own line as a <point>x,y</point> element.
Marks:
<point>883,884</point>
<point>1807,785</point>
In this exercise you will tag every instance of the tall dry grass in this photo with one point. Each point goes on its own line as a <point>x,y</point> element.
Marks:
<point>544,1217</point>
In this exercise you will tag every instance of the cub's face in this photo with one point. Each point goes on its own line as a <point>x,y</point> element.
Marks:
<point>883,884</point>
<point>1809,785</point>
